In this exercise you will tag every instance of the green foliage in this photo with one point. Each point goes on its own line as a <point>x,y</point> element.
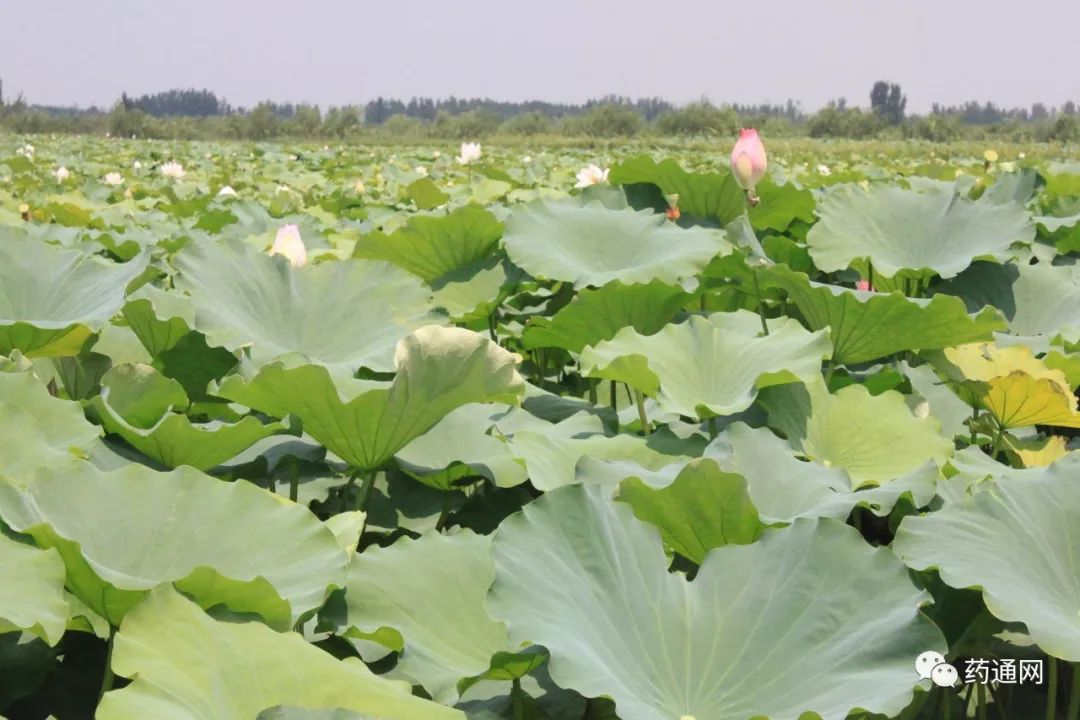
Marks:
<point>477,442</point>
<point>699,118</point>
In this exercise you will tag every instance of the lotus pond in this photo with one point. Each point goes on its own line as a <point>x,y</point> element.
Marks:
<point>312,432</point>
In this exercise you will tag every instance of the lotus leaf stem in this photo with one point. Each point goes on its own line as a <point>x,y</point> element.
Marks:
<point>1074,694</point>
<point>1052,682</point>
<point>613,388</point>
<point>760,304</point>
<point>981,699</point>
<point>107,676</point>
<point>294,479</point>
<point>517,702</point>
<point>640,400</point>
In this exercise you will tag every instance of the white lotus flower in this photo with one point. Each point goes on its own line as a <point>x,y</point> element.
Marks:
<point>226,191</point>
<point>172,170</point>
<point>61,174</point>
<point>527,159</point>
<point>289,243</point>
<point>421,170</point>
<point>824,170</point>
<point>470,153</point>
<point>436,154</point>
<point>114,179</point>
<point>591,175</point>
<point>137,165</point>
<point>359,186</point>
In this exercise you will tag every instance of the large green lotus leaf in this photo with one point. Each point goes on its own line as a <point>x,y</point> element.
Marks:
<point>343,315</point>
<point>780,205</point>
<point>702,509</point>
<point>32,590</point>
<point>186,666</point>
<point>598,314</point>
<point>432,591</point>
<point>1038,300</point>
<point>709,366</point>
<point>366,423</point>
<point>551,458</point>
<point>473,292</point>
<point>774,629</point>
<point>715,196</point>
<point>37,429</point>
<point>875,438</point>
<point>941,402</point>
<point>783,488</point>
<point>1015,541</point>
<point>159,318</point>
<point>137,403</point>
<point>865,325</point>
<point>123,533</point>
<point>592,245</point>
<point>291,712</point>
<point>434,247</point>
<point>460,445</point>
<point>52,299</point>
<point>896,229</point>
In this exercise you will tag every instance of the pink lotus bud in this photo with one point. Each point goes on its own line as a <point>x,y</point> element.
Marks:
<point>863,285</point>
<point>748,161</point>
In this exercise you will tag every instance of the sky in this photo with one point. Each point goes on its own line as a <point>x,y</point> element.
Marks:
<point>86,52</point>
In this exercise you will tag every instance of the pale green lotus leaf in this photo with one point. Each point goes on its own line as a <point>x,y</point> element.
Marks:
<point>37,429</point>
<point>590,245</point>
<point>123,533</point>
<point>159,318</point>
<point>32,590</point>
<point>342,315</point>
<point>703,508</point>
<point>784,488</point>
<point>432,591</point>
<point>770,629</point>
<point>875,438</point>
<point>941,402</point>
<point>710,366</point>
<point>52,299</point>
<point>186,666</point>
<point>1040,301</point>
<point>934,229</point>
<point>712,196</point>
<point>137,403</point>
<point>598,314</point>
<point>866,325</point>
<point>1016,542</point>
<point>468,441</point>
<point>366,423</point>
<point>432,247</point>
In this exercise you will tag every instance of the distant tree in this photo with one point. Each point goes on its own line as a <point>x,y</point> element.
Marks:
<point>263,122</point>
<point>888,102</point>
<point>699,118</point>
<point>1,92</point>
<point>1069,108</point>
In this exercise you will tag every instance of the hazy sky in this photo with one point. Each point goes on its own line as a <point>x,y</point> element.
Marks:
<point>1014,52</point>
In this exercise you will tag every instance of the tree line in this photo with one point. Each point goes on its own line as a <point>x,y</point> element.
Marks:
<point>191,114</point>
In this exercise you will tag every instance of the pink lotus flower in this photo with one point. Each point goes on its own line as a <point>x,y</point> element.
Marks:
<point>864,285</point>
<point>748,161</point>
